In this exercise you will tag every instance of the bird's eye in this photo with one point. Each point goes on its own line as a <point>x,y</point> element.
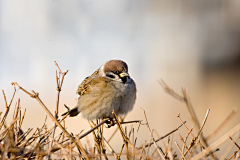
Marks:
<point>110,76</point>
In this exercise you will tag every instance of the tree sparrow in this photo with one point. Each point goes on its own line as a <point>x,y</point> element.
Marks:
<point>110,87</point>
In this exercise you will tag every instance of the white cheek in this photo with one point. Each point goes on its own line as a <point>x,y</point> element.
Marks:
<point>117,79</point>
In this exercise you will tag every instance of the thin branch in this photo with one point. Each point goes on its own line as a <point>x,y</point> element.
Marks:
<point>36,96</point>
<point>121,130</point>
<point>12,96</point>
<point>92,129</point>
<point>110,148</point>
<point>20,124</point>
<point>204,121</point>
<point>59,87</point>
<point>223,124</point>
<point>82,149</point>
<point>6,112</point>
<point>106,144</point>
<point>217,142</point>
<point>236,137</point>
<point>121,151</point>
<point>170,91</point>
<point>17,110</point>
<point>5,99</point>
<point>60,146</point>
<point>194,138</point>
<point>190,108</point>
<point>184,146</point>
<point>180,150</point>
<point>124,136</point>
<point>166,135</point>
<point>184,98</point>
<point>234,154</point>
<point>16,84</point>
<point>234,142</point>
<point>159,151</point>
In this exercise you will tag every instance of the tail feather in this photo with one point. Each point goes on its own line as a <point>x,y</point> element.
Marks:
<point>73,112</point>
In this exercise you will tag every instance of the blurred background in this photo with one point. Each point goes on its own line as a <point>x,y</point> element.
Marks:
<point>190,44</point>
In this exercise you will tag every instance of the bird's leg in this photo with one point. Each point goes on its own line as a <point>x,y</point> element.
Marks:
<point>110,123</point>
<point>101,130</point>
<point>121,119</point>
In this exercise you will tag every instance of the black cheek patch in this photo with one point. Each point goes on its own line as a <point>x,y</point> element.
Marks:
<point>110,76</point>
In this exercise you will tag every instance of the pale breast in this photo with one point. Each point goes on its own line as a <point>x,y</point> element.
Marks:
<point>128,99</point>
<point>128,96</point>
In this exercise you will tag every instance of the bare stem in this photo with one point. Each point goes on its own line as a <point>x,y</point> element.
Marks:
<point>159,151</point>
<point>234,142</point>
<point>36,96</point>
<point>223,124</point>
<point>166,135</point>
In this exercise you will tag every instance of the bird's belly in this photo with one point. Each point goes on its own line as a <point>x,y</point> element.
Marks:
<point>100,104</point>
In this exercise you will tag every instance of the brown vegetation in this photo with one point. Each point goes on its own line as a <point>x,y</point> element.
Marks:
<point>40,143</point>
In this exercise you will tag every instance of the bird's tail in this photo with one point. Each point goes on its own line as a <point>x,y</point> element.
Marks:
<point>72,112</point>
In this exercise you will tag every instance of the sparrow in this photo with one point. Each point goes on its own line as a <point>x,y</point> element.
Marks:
<point>109,88</point>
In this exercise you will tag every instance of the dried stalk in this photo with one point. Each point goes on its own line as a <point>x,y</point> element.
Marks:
<point>195,138</point>
<point>149,144</point>
<point>230,147</point>
<point>159,151</point>
<point>184,98</point>
<point>59,88</point>
<point>180,150</point>
<point>36,96</point>
<point>223,124</point>
<point>234,154</point>
<point>234,142</point>
<point>6,112</point>
<point>217,142</point>
<point>121,130</point>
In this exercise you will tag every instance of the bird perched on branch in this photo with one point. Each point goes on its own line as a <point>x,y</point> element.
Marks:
<point>110,87</point>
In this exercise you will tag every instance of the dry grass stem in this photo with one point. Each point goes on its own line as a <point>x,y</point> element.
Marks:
<point>184,146</point>
<point>184,98</point>
<point>217,143</point>
<point>159,151</point>
<point>180,151</point>
<point>204,121</point>
<point>234,142</point>
<point>223,124</point>
<point>230,146</point>
<point>45,142</point>
<point>36,96</point>
<point>234,154</point>
<point>149,144</point>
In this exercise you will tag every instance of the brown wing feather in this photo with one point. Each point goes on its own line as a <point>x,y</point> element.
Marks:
<point>82,89</point>
<point>84,85</point>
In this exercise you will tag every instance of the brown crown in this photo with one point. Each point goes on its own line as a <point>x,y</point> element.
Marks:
<point>115,65</point>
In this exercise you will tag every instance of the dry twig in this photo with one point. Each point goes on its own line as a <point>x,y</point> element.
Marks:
<point>159,151</point>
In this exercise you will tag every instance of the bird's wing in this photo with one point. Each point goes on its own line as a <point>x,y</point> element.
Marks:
<point>95,92</point>
<point>84,85</point>
<point>84,88</point>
